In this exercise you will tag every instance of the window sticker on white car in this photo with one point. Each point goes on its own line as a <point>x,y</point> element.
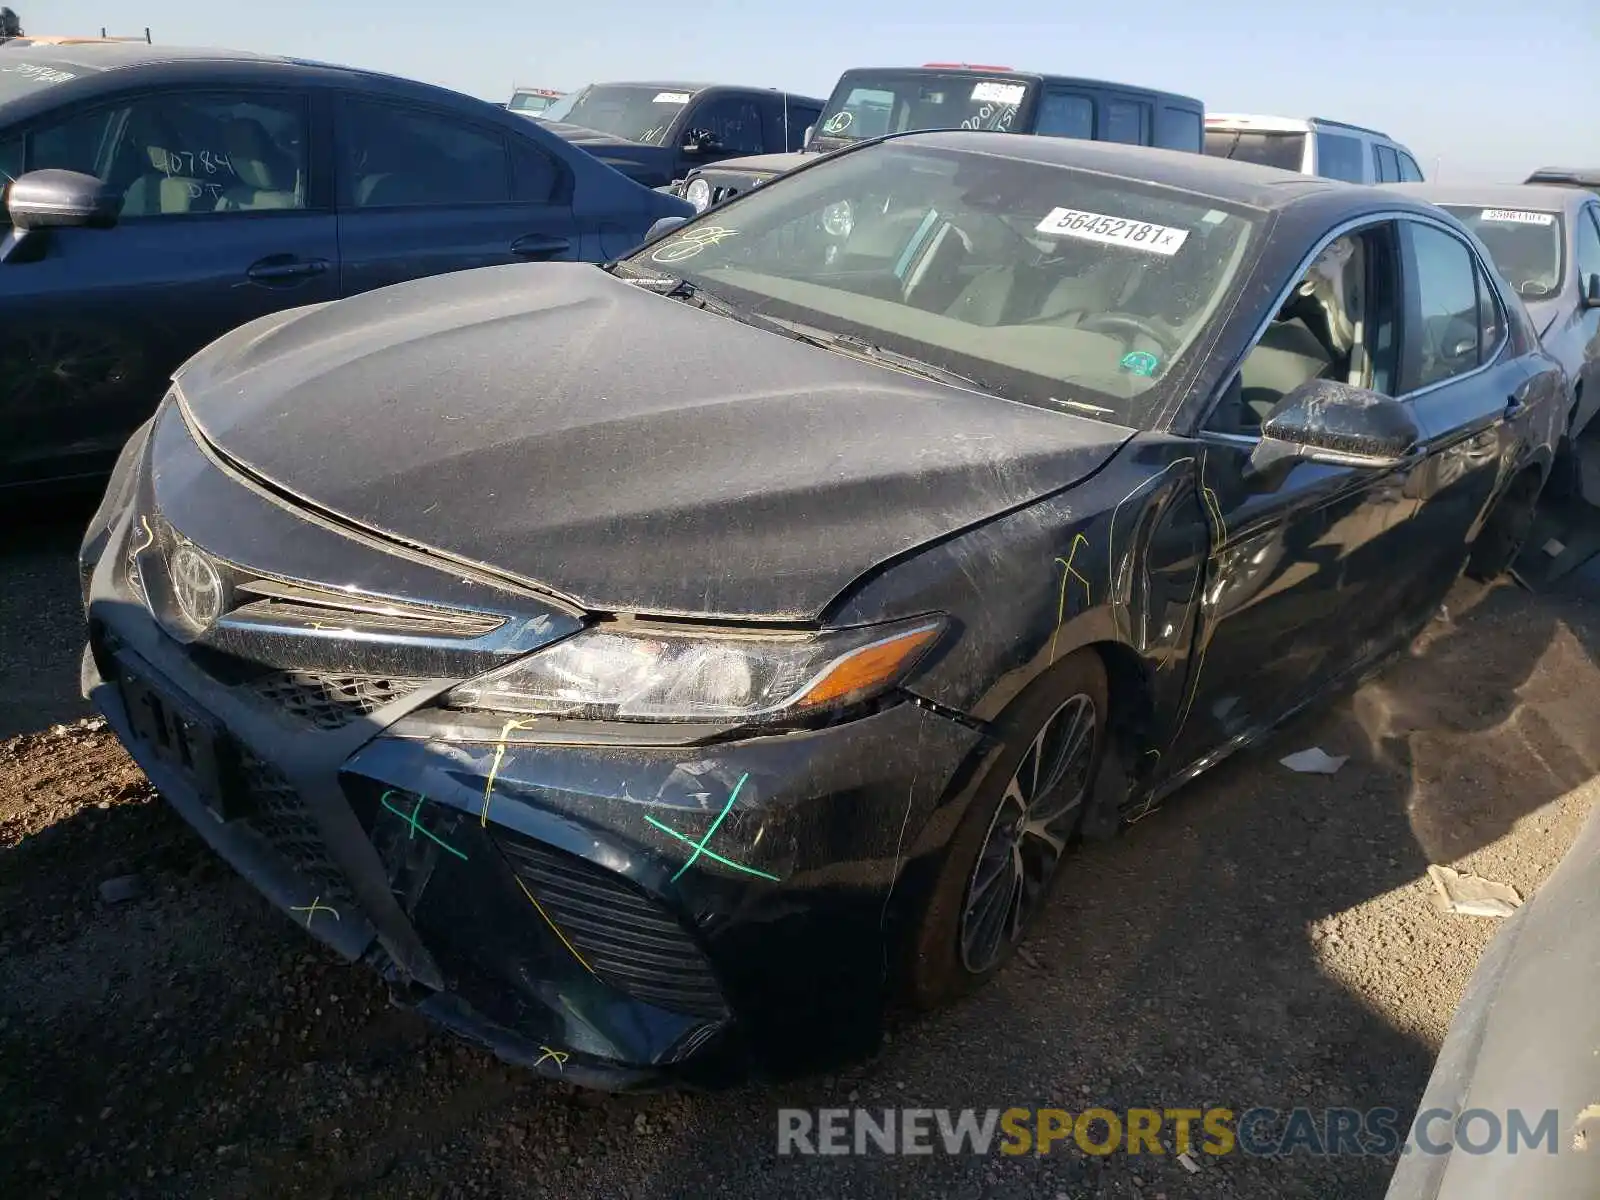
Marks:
<point>671,98</point>
<point>1521,218</point>
<point>999,93</point>
<point>1113,231</point>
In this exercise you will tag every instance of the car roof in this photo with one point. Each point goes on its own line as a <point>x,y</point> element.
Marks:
<point>1220,178</point>
<point>982,73</point>
<point>1526,196</point>
<point>1268,123</point>
<point>108,56</point>
<point>680,86</point>
<point>1581,176</point>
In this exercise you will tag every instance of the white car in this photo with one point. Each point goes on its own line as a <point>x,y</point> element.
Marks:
<point>1311,146</point>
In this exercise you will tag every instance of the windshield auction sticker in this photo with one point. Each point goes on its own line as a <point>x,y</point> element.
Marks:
<point>1513,215</point>
<point>999,93</point>
<point>671,98</point>
<point>1113,231</point>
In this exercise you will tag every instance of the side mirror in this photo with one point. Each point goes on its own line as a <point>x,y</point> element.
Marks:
<point>1591,291</point>
<point>56,199</point>
<point>1333,423</point>
<point>700,141</point>
<point>663,226</point>
<point>810,129</point>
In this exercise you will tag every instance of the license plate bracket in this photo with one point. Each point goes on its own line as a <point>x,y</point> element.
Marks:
<point>185,740</point>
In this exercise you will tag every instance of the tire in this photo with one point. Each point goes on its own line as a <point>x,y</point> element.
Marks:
<point>960,945</point>
<point>1500,540</point>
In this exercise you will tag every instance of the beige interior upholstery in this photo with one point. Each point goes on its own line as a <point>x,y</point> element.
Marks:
<point>264,177</point>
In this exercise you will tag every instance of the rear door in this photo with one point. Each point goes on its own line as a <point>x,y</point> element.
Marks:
<point>1466,388</point>
<point>227,216</point>
<point>425,190</point>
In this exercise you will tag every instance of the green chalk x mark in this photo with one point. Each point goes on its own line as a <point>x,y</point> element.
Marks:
<point>700,846</point>
<point>416,828</point>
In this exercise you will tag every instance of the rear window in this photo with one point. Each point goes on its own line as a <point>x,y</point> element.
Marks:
<point>22,74</point>
<point>1286,151</point>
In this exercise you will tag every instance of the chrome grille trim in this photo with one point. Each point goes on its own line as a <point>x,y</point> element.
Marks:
<point>291,604</point>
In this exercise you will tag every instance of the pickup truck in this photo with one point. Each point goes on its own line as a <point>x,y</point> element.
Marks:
<point>870,101</point>
<point>656,133</point>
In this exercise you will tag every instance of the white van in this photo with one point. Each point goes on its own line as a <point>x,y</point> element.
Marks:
<point>1311,146</point>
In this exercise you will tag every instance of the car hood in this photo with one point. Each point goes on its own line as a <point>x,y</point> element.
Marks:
<point>628,451</point>
<point>762,164</point>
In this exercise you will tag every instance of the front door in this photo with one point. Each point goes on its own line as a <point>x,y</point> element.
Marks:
<point>1304,576</point>
<point>222,222</point>
<point>424,191</point>
<point>733,124</point>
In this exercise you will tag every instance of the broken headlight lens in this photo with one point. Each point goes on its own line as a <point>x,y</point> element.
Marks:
<point>642,673</point>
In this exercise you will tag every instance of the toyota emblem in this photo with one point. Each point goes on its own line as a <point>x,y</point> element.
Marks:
<point>196,585</point>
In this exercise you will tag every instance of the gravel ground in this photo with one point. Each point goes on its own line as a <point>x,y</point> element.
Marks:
<point>1266,939</point>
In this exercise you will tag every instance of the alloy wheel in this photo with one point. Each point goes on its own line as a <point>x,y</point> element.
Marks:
<point>1028,834</point>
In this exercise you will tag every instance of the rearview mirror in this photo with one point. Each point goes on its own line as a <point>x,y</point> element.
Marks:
<point>1322,421</point>
<point>1591,291</point>
<point>663,226</point>
<point>55,199</point>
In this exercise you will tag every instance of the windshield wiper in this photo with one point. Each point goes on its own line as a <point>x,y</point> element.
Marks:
<point>849,344</point>
<point>677,288</point>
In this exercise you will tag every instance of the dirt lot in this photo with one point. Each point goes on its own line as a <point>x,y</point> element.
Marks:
<point>1268,938</point>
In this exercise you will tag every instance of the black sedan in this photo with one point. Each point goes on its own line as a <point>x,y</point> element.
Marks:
<point>654,669</point>
<point>163,195</point>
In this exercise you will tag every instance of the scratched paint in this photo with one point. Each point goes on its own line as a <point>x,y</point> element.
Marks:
<point>700,847</point>
<point>1069,572</point>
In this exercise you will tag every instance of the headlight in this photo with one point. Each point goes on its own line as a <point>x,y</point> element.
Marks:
<point>698,193</point>
<point>634,672</point>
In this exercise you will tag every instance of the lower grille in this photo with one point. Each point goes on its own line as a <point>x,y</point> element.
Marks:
<point>627,939</point>
<point>279,815</point>
<point>330,701</point>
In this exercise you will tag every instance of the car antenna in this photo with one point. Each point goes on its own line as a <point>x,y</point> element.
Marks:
<point>786,122</point>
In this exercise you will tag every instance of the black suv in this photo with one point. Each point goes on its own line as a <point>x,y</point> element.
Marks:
<point>869,101</point>
<point>656,133</point>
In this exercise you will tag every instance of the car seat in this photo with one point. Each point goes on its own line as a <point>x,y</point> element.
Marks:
<point>264,176</point>
<point>151,148</point>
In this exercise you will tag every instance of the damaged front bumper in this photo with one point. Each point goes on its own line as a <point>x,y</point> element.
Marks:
<point>600,909</point>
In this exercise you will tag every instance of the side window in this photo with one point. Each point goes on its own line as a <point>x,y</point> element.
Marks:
<point>10,160</point>
<point>1338,323</point>
<point>735,123</point>
<point>1409,171</point>
<point>1065,114</point>
<point>801,118</point>
<point>1180,130</point>
<point>1125,121</point>
<point>396,157</point>
<point>1386,167</point>
<point>182,153</point>
<point>1339,157</point>
<point>1491,321</point>
<point>1442,328</point>
<point>1588,239</point>
<point>539,178</point>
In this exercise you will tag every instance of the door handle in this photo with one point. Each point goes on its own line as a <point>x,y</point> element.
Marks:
<point>540,245</point>
<point>285,268</point>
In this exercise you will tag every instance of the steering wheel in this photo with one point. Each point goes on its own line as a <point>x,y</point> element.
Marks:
<point>1109,322</point>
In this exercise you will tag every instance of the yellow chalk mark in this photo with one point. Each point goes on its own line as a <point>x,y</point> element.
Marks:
<point>314,908</point>
<point>494,767</point>
<point>1069,572</point>
<point>144,523</point>
<point>556,929</point>
<point>559,1057</point>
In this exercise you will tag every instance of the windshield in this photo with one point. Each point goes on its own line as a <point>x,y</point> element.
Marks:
<point>1525,246</point>
<point>633,113</point>
<point>868,105</point>
<point>1053,287</point>
<point>22,74</point>
<point>1286,151</point>
<point>530,102</point>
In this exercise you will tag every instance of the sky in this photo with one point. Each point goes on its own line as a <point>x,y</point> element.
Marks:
<point>1480,90</point>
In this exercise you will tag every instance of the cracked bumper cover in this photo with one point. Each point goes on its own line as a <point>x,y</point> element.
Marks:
<point>573,917</point>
